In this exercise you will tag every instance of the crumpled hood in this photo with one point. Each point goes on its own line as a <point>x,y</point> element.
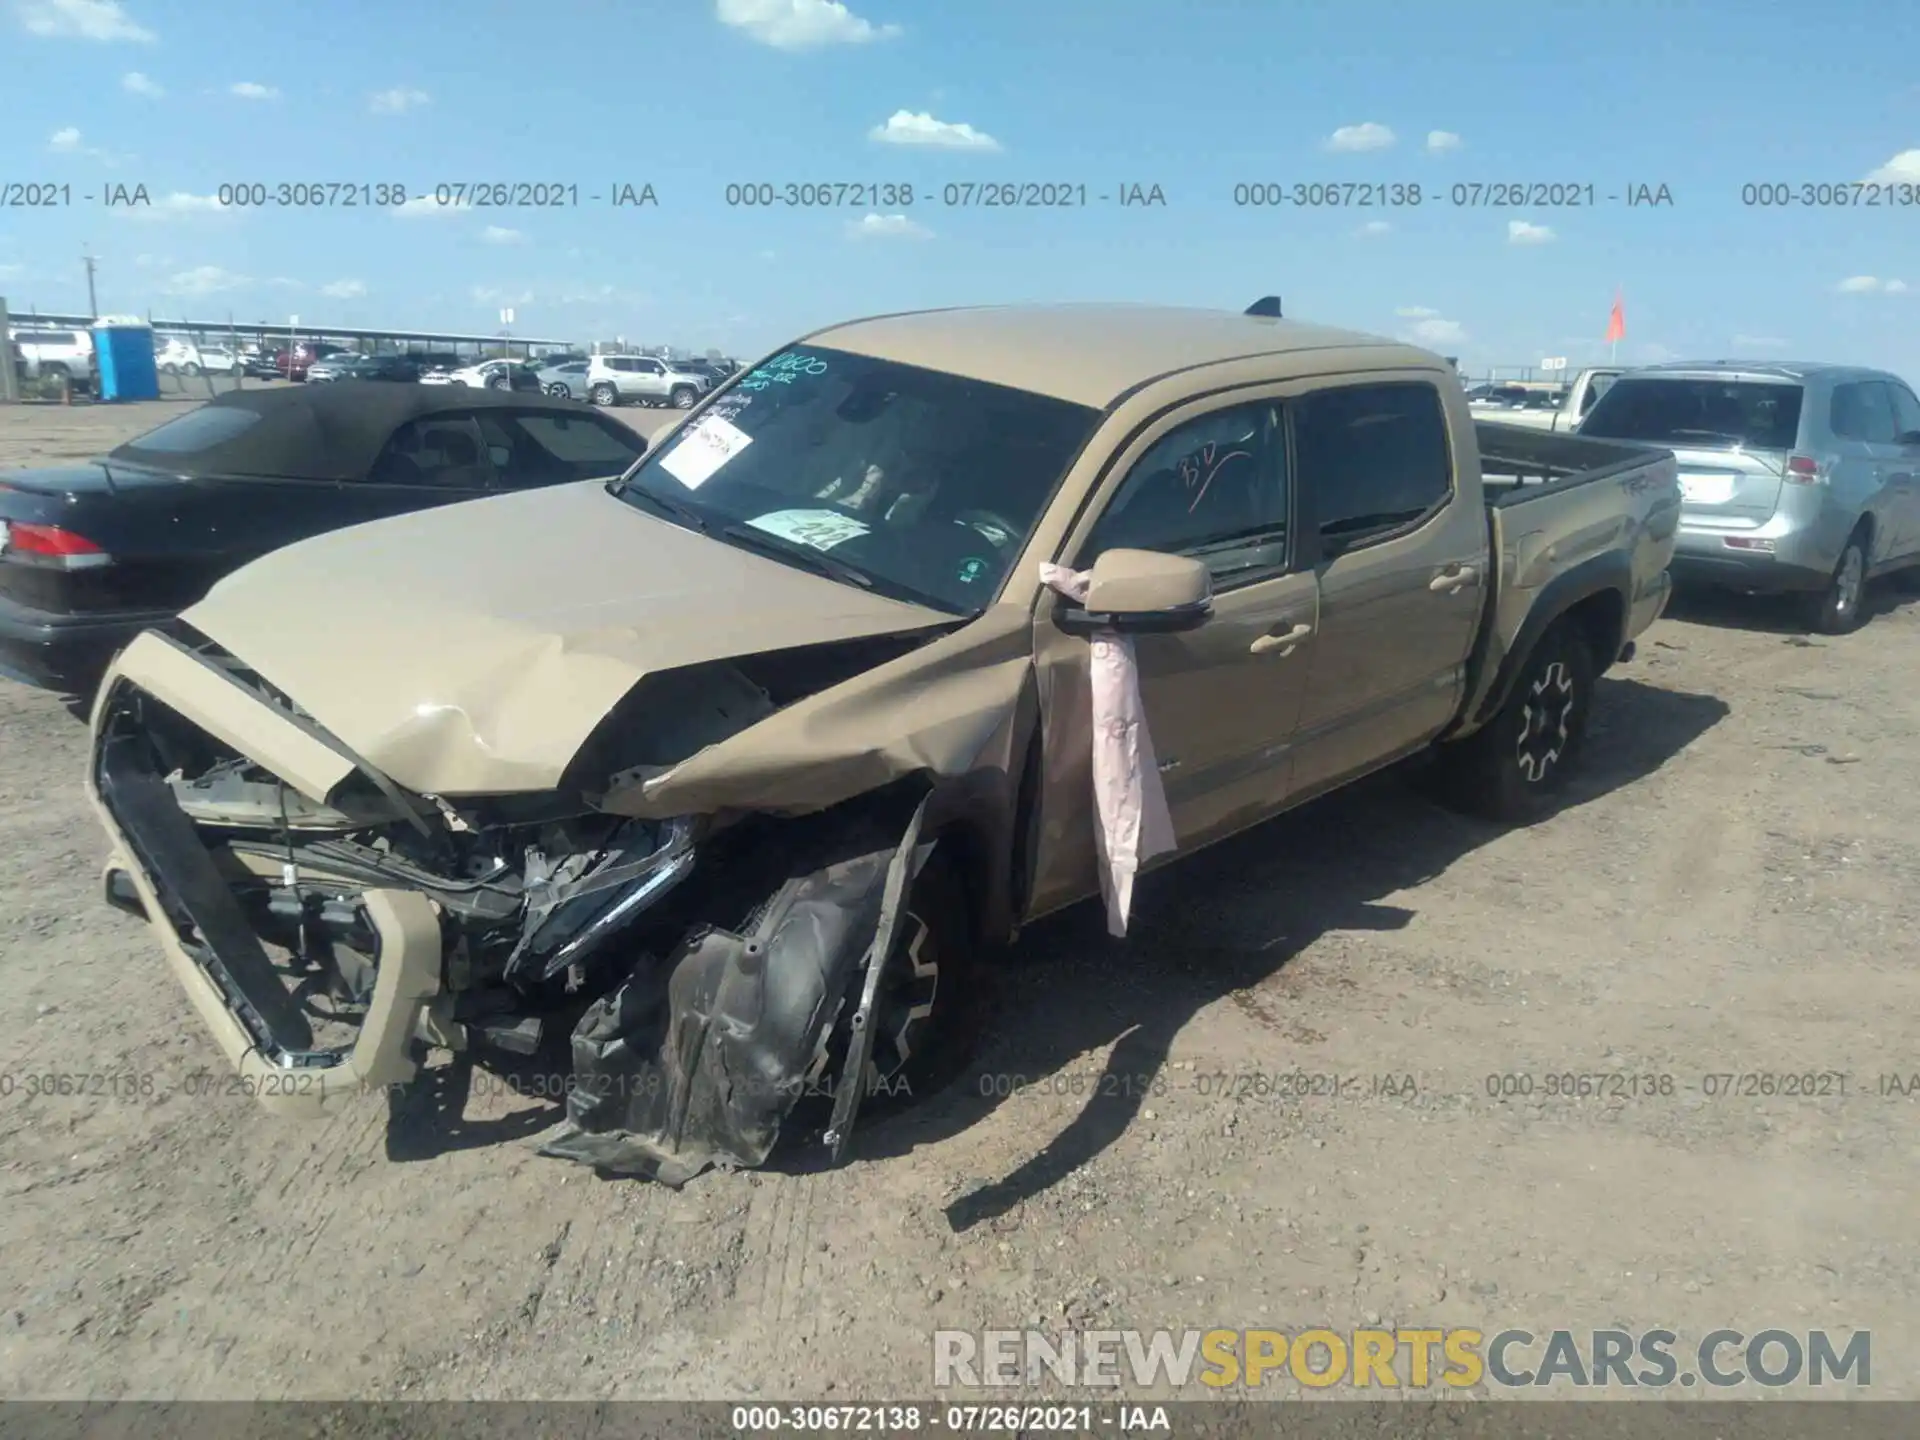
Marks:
<point>472,649</point>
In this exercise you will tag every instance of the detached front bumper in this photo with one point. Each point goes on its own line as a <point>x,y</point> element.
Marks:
<point>160,862</point>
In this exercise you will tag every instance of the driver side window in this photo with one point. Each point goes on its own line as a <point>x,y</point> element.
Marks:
<point>1214,488</point>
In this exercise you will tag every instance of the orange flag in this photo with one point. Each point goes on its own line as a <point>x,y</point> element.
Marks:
<point>1617,321</point>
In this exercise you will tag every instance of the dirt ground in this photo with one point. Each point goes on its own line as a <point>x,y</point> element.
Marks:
<point>1732,891</point>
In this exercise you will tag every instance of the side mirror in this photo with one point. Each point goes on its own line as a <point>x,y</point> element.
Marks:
<point>1142,592</point>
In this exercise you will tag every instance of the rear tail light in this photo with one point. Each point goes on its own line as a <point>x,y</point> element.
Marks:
<point>52,545</point>
<point>1804,470</point>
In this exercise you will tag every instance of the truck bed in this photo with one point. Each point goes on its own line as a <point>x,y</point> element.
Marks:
<point>1519,463</point>
<point>1557,504</point>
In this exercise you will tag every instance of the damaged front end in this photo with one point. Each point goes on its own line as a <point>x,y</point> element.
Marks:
<point>332,927</point>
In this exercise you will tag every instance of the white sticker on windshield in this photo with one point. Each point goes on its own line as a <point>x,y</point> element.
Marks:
<point>703,450</point>
<point>819,529</point>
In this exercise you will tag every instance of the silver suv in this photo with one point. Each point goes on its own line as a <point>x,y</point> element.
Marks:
<point>1794,477</point>
<point>616,379</point>
<point>43,354</point>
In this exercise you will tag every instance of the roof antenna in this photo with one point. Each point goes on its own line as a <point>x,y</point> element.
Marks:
<point>1267,307</point>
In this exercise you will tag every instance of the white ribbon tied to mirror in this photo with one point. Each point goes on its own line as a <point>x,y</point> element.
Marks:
<point>1131,821</point>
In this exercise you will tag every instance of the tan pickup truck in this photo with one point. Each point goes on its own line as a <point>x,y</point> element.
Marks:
<point>722,776</point>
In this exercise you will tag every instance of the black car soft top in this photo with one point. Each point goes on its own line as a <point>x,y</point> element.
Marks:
<point>327,432</point>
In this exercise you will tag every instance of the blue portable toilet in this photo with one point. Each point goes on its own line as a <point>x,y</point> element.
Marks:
<point>124,348</point>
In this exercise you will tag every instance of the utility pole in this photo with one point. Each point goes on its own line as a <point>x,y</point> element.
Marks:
<point>9,380</point>
<point>93,305</point>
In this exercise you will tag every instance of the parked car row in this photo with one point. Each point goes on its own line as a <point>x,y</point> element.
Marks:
<point>630,379</point>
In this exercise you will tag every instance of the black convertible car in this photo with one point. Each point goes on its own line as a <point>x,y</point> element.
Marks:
<point>92,554</point>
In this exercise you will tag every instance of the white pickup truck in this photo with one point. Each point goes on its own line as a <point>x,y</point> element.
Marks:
<point>1588,386</point>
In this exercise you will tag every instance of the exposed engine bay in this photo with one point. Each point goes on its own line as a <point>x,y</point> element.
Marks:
<point>704,972</point>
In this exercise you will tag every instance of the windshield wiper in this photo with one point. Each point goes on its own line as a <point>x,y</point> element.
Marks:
<point>747,537</point>
<point>676,510</point>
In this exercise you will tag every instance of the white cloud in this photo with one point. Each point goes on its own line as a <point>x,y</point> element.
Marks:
<point>344,290</point>
<point>604,295</point>
<point>204,280</point>
<point>889,227</point>
<point>501,235</point>
<point>1871,285</point>
<point>1441,140</point>
<point>134,83</point>
<point>66,140</point>
<point>1437,331</point>
<point>176,206</point>
<point>250,90</point>
<point>1367,136</point>
<point>800,24</point>
<point>1755,343</point>
<point>905,127</point>
<point>12,272</point>
<point>422,205</point>
<point>1374,227</point>
<point>152,262</point>
<point>1521,232</point>
<point>104,20</point>
<point>495,295</point>
<point>1903,168</point>
<point>1416,312</point>
<point>397,101</point>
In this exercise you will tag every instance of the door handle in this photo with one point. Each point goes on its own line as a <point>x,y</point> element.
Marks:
<point>1283,642</point>
<point>1454,579</point>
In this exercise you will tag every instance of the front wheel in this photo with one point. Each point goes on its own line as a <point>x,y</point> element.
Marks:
<point>930,1003</point>
<point>604,395</point>
<point>191,370</point>
<point>1842,607</point>
<point>684,396</point>
<point>1513,768</point>
<point>559,391</point>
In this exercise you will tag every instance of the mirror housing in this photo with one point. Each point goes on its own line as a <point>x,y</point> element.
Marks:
<point>1142,592</point>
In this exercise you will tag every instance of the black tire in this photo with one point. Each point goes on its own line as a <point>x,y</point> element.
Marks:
<point>930,1004</point>
<point>604,394</point>
<point>684,396</point>
<point>1513,768</point>
<point>559,391</point>
<point>191,369</point>
<point>1841,607</point>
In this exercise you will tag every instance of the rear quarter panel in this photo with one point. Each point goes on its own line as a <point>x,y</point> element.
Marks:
<point>1555,545</point>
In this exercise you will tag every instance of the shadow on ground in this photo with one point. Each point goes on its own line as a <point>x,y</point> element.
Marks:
<point>1778,614</point>
<point>1233,917</point>
<point>1218,923</point>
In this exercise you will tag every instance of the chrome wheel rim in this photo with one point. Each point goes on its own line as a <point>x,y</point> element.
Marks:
<point>1849,582</point>
<point>1546,722</point>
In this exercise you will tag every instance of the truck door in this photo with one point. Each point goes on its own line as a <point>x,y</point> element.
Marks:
<point>1400,545</point>
<point>1210,480</point>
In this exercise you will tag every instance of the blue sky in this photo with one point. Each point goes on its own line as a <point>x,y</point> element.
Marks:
<point>1195,96</point>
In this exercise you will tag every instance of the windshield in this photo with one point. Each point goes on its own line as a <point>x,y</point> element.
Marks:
<point>1698,413</point>
<point>920,484</point>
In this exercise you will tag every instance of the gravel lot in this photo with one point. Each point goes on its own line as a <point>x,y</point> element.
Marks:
<point>1733,891</point>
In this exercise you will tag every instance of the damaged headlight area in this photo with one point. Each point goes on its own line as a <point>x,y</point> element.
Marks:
<point>697,1015</point>
<point>529,890</point>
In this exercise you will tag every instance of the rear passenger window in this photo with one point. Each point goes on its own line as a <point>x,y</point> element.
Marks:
<point>1862,411</point>
<point>1374,458</point>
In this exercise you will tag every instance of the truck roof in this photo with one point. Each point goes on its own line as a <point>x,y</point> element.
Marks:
<point>1092,354</point>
